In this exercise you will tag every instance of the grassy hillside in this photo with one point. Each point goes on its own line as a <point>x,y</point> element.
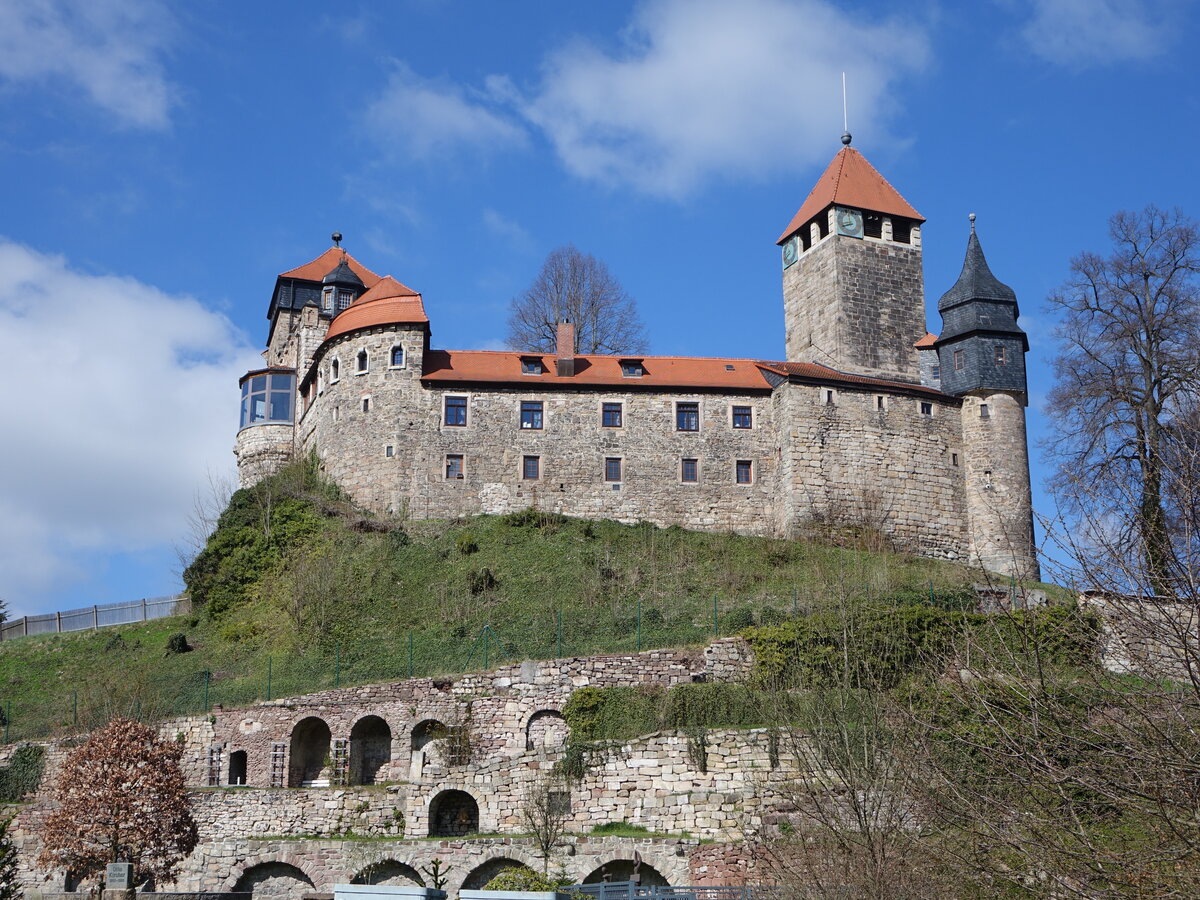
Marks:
<point>297,590</point>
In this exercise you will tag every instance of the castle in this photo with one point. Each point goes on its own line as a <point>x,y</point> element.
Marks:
<point>870,420</point>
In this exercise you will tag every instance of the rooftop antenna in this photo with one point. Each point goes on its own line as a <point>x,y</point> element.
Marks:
<point>845,119</point>
<point>337,239</point>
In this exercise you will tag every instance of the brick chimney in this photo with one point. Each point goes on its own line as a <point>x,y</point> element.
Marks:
<point>565,349</point>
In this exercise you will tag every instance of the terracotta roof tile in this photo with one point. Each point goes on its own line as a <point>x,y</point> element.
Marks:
<point>491,366</point>
<point>388,307</point>
<point>927,342</point>
<point>851,181</point>
<point>325,263</point>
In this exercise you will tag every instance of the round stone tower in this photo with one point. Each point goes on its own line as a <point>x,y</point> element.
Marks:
<point>981,352</point>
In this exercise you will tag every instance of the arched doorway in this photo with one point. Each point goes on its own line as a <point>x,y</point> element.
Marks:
<point>237,767</point>
<point>547,730</point>
<point>309,754</point>
<point>274,879</point>
<point>627,870</point>
<point>389,871</point>
<point>370,749</point>
<point>481,875</point>
<point>453,814</point>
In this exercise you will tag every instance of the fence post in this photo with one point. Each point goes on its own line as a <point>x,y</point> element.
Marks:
<point>143,609</point>
<point>95,618</point>
<point>24,627</point>
<point>207,678</point>
<point>74,707</point>
<point>337,664</point>
<point>58,623</point>
<point>410,664</point>
<point>486,629</point>
<point>268,678</point>
<point>639,625</point>
<point>715,627</point>
<point>558,634</point>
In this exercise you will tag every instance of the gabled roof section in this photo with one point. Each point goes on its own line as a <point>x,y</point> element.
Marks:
<point>816,373</point>
<point>851,181</point>
<point>927,342</point>
<point>326,263</point>
<point>680,372</point>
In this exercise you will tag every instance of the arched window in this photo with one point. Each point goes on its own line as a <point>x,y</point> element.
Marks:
<point>362,360</point>
<point>335,370</point>
<point>397,357</point>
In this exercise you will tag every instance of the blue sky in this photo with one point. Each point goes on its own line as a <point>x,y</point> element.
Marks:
<point>163,162</point>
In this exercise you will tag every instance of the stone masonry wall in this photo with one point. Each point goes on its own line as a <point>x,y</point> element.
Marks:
<point>895,468</point>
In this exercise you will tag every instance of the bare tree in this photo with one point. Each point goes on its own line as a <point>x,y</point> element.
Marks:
<point>546,812</point>
<point>121,796</point>
<point>1129,338</point>
<point>577,287</point>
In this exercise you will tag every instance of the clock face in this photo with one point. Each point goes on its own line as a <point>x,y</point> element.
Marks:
<point>849,222</point>
<point>790,251</point>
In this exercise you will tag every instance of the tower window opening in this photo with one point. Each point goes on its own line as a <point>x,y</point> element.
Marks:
<point>954,459</point>
<point>960,360</point>
<point>267,398</point>
<point>397,357</point>
<point>363,362</point>
<point>389,451</point>
<point>805,239</point>
<point>902,231</point>
<point>327,299</point>
<point>937,372</point>
<point>872,225</point>
<point>1000,356</point>
<point>823,226</point>
<point>454,466</point>
<point>926,408</point>
<point>366,404</point>
<point>344,299</point>
<point>829,398</point>
<point>880,403</point>
<point>335,371</point>
<point>984,412</point>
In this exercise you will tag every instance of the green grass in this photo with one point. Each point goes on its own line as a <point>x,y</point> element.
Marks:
<point>313,594</point>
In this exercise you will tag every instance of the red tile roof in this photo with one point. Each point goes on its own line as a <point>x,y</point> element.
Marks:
<point>926,342</point>
<point>491,366</point>
<point>325,263</point>
<point>851,181</point>
<point>823,374</point>
<point>388,303</point>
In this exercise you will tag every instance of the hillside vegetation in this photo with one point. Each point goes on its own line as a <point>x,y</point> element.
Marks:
<point>297,590</point>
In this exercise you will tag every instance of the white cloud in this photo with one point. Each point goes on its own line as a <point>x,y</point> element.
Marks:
<point>707,88</point>
<point>507,229</point>
<point>422,118</point>
<point>109,49</point>
<point>1081,33</point>
<point>121,401</point>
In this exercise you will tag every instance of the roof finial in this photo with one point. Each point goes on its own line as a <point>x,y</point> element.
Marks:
<point>972,218</point>
<point>846,139</point>
<point>337,238</point>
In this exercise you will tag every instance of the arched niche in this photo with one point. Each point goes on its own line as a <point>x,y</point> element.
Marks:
<point>237,767</point>
<point>274,879</point>
<point>309,752</point>
<point>428,741</point>
<point>482,874</point>
<point>547,730</point>
<point>389,871</point>
<point>370,749</point>
<point>453,814</point>
<point>627,870</point>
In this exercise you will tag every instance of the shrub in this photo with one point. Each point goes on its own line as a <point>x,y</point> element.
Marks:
<point>177,643</point>
<point>739,618</point>
<point>466,544</point>
<point>481,581</point>
<point>523,878</point>
<point>23,773</point>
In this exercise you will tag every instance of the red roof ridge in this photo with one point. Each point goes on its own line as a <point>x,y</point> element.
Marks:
<point>850,180</point>
<point>318,268</point>
<point>386,288</point>
<point>928,341</point>
<point>643,356</point>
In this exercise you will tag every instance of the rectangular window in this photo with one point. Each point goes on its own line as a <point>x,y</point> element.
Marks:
<point>742,417</point>
<point>1001,358</point>
<point>937,373</point>
<point>531,414</point>
<point>689,472</point>
<point>983,411</point>
<point>926,408</point>
<point>610,415</point>
<point>687,416</point>
<point>531,467</point>
<point>744,471</point>
<point>954,459</point>
<point>880,403</point>
<point>456,410</point>
<point>397,357</point>
<point>612,468</point>
<point>531,366</point>
<point>454,465</point>
<point>366,404</point>
<point>960,360</point>
<point>389,451</point>
<point>830,397</point>
<point>344,299</point>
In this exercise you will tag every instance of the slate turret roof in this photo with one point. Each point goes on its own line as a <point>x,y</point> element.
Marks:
<point>976,281</point>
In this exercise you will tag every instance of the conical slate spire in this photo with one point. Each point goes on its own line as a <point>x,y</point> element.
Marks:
<point>976,281</point>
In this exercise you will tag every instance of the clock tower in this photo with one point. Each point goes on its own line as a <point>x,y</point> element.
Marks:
<point>853,287</point>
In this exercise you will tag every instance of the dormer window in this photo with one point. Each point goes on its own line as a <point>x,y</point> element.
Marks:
<point>344,299</point>
<point>361,362</point>
<point>632,368</point>
<point>531,365</point>
<point>327,299</point>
